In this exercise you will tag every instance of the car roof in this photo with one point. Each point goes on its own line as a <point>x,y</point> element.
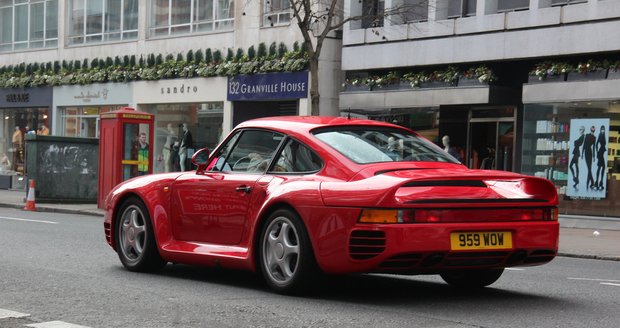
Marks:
<point>304,124</point>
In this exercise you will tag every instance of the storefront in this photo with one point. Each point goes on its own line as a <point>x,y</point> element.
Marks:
<point>471,120</point>
<point>77,108</point>
<point>189,115</point>
<point>571,133</point>
<point>22,111</point>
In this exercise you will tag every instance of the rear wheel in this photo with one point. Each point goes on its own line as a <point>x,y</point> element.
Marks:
<point>285,254</point>
<point>135,241</point>
<point>471,279</point>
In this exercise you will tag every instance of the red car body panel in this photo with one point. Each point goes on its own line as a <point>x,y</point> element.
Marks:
<point>202,217</point>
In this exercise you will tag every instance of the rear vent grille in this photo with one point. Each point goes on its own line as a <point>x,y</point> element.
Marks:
<point>366,244</point>
<point>108,232</point>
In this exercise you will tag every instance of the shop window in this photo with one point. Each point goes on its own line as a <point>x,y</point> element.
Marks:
<point>203,122</point>
<point>28,24</point>
<point>82,121</point>
<point>576,146</point>
<point>16,124</point>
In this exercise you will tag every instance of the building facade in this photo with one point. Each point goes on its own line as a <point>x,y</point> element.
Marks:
<point>63,63</point>
<point>528,86</point>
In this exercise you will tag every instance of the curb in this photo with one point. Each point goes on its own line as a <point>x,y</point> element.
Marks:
<point>54,210</point>
<point>590,257</point>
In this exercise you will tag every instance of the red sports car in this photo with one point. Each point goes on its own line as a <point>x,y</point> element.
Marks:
<point>294,197</point>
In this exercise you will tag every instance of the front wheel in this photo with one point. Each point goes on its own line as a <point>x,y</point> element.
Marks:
<point>285,254</point>
<point>135,241</point>
<point>471,279</point>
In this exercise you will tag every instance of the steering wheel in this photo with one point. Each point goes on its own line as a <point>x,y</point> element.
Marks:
<point>242,164</point>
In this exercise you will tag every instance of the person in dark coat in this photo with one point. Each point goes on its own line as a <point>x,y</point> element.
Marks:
<point>601,144</point>
<point>186,142</point>
<point>588,154</point>
<point>574,162</point>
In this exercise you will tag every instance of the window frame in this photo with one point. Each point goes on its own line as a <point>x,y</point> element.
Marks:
<point>75,38</point>
<point>221,161</point>
<point>279,155</point>
<point>277,17</point>
<point>217,22</point>
<point>25,26</point>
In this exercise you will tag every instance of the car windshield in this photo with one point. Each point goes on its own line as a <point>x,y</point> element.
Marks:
<point>365,145</point>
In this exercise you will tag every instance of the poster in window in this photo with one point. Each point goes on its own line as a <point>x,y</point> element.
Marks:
<point>587,167</point>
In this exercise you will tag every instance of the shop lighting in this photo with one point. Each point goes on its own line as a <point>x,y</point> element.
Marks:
<point>6,117</point>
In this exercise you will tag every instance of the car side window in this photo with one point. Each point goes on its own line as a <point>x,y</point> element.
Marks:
<point>252,152</point>
<point>297,158</point>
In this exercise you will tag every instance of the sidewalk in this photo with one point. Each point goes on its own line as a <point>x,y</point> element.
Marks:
<point>577,233</point>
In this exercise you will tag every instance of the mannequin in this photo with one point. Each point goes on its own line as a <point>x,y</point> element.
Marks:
<point>43,130</point>
<point>166,151</point>
<point>448,149</point>
<point>186,142</point>
<point>18,140</point>
<point>17,137</point>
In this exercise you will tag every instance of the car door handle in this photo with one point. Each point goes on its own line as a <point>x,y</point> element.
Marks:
<point>245,189</point>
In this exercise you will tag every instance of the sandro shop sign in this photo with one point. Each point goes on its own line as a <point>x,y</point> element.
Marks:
<point>270,86</point>
<point>26,97</point>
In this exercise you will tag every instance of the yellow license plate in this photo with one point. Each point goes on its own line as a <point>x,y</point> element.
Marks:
<point>480,240</point>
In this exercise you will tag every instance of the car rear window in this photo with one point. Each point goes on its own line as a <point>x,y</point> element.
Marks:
<point>365,145</point>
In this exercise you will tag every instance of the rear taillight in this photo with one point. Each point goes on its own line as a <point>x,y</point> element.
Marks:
<point>458,215</point>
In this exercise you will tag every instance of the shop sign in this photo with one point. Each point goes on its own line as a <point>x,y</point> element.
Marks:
<point>87,97</point>
<point>589,140</point>
<point>95,94</point>
<point>26,97</point>
<point>287,85</point>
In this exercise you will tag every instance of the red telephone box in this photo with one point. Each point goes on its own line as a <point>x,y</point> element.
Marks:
<point>125,148</point>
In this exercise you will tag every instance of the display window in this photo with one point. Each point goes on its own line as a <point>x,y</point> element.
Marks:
<point>82,121</point>
<point>181,129</point>
<point>16,123</point>
<point>576,145</point>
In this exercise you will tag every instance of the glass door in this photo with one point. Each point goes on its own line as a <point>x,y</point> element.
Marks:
<point>491,139</point>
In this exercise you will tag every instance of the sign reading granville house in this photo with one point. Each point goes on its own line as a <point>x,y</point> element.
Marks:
<point>286,85</point>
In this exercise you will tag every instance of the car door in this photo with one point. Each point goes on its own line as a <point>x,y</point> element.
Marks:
<point>212,207</point>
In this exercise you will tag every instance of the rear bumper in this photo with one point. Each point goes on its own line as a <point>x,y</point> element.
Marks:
<point>426,248</point>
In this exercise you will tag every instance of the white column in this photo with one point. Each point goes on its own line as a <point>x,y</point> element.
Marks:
<point>227,118</point>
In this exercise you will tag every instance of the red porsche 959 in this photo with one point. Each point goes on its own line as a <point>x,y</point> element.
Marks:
<point>297,197</point>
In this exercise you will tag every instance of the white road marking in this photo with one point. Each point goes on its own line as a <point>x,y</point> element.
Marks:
<point>515,269</point>
<point>11,314</point>
<point>55,324</point>
<point>610,284</point>
<point>27,220</point>
<point>589,279</point>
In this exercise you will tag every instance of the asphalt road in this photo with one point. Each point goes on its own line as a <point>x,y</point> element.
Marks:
<point>57,271</point>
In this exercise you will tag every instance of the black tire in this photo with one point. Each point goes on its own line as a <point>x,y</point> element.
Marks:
<point>471,279</point>
<point>135,241</point>
<point>285,255</point>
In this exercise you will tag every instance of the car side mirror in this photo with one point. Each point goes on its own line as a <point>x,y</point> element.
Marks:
<point>201,159</point>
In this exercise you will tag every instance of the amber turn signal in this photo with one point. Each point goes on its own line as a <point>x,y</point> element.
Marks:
<point>380,216</point>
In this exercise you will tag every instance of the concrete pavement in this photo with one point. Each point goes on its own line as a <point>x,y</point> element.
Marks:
<point>580,236</point>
